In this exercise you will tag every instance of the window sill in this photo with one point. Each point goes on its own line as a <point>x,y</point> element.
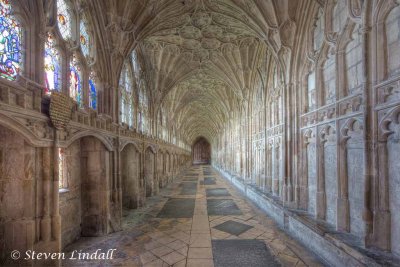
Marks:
<point>63,190</point>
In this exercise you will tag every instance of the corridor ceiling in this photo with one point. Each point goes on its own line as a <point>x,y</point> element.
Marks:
<point>203,59</point>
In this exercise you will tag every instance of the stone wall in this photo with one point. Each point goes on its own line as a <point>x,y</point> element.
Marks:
<point>326,123</point>
<point>20,177</point>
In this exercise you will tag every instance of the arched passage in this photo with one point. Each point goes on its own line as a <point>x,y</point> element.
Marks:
<point>84,206</point>
<point>130,166</point>
<point>201,151</point>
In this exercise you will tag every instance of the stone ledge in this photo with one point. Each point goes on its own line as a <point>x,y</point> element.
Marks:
<point>326,245</point>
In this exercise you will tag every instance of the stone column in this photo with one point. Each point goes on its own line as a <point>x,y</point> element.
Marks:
<point>56,218</point>
<point>269,167</point>
<point>275,178</point>
<point>382,216</point>
<point>45,223</point>
<point>343,205</point>
<point>302,182</point>
<point>321,196</point>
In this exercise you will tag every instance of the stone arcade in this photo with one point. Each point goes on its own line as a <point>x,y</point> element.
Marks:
<point>108,109</point>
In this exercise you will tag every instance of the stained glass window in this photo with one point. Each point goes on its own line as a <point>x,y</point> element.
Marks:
<point>84,38</point>
<point>92,91</point>
<point>10,43</point>
<point>126,102</point>
<point>52,68</point>
<point>64,19</point>
<point>75,81</point>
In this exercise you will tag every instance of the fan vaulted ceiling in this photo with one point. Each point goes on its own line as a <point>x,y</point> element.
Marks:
<point>202,58</point>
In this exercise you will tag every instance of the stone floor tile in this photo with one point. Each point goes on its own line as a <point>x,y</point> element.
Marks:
<point>183,237</point>
<point>177,244</point>
<point>183,251</point>
<point>165,240</point>
<point>180,264</point>
<point>152,245</point>
<point>200,253</point>
<point>147,257</point>
<point>172,239</point>
<point>286,260</point>
<point>173,258</point>
<point>200,263</point>
<point>161,251</point>
<point>277,245</point>
<point>156,263</point>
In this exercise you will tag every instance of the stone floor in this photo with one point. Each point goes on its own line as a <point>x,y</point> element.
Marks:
<point>199,220</point>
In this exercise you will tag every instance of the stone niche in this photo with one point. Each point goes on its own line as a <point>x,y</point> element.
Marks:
<point>84,204</point>
<point>130,169</point>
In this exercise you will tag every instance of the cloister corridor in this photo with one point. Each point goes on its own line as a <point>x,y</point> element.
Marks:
<point>198,220</point>
<point>226,133</point>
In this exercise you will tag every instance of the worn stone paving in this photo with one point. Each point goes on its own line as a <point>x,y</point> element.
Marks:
<point>196,222</point>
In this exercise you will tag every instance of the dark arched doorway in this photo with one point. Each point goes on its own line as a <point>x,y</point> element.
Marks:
<point>201,151</point>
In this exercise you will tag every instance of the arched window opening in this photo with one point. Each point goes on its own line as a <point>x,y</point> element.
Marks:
<point>275,77</point>
<point>62,182</point>
<point>52,66</point>
<point>126,96</point>
<point>143,105</point>
<point>319,31</point>
<point>136,66</point>
<point>311,92</point>
<point>339,16</point>
<point>84,38</point>
<point>92,91</point>
<point>10,43</point>
<point>64,19</point>
<point>392,28</point>
<point>75,81</point>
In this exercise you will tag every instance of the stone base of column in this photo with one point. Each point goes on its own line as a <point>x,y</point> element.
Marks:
<point>380,237</point>
<point>45,229</point>
<point>321,206</point>
<point>343,215</point>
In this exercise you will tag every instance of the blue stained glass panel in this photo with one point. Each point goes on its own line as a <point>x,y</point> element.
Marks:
<point>10,43</point>
<point>92,93</point>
